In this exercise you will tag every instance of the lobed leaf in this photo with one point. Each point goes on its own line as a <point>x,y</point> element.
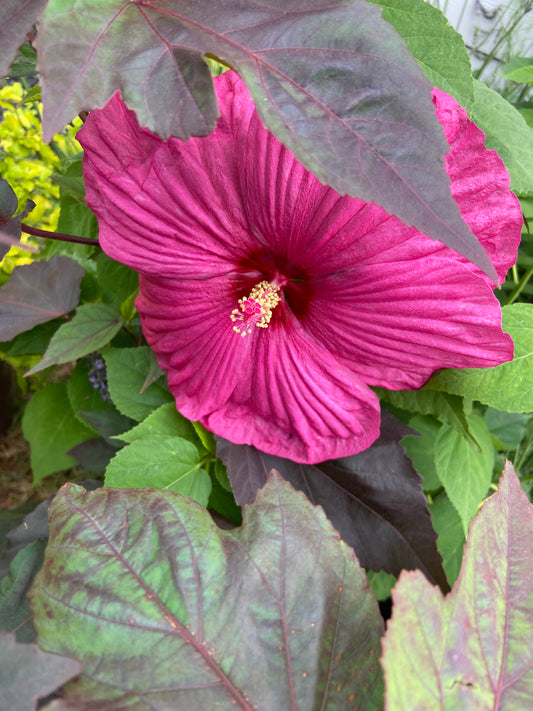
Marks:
<point>166,611</point>
<point>508,386</point>
<point>314,69</point>
<point>38,292</point>
<point>93,326</point>
<point>374,499</point>
<point>473,648</point>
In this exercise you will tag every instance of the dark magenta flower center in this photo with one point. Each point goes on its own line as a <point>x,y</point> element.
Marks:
<point>294,281</point>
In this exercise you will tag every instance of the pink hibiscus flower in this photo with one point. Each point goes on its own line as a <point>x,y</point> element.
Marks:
<point>273,302</point>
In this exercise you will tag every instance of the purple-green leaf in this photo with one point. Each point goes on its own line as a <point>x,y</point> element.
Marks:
<point>27,673</point>
<point>16,20</point>
<point>330,78</point>
<point>374,499</point>
<point>38,292</point>
<point>167,611</point>
<point>473,648</point>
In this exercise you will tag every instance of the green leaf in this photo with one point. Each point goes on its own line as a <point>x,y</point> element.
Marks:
<point>274,615</point>
<point>93,326</point>
<point>334,69</point>
<point>421,449</point>
<point>444,407</point>
<point>506,427</point>
<point>508,386</point>
<point>436,46</point>
<point>381,583</point>
<point>472,649</point>
<point>161,462</point>
<point>519,69</point>
<point>82,396</point>
<point>51,428</point>
<point>166,420</point>
<point>464,470</point>
<point>507,132</point>
<point>451,537</point>
<point>117,281</point>
<point>127,369</point>
<point>206,438</point>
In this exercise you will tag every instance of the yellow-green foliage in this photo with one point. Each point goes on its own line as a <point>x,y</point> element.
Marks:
<point>28,164</point>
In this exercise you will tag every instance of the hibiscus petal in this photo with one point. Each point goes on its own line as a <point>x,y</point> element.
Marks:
<point>187,323</point>
<point>168,208</point>
<point>294,399</point>
<point>480,186</point>
<point>320,231</point>
<point>397,321</point>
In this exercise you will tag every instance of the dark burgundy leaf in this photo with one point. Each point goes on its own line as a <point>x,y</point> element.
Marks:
<point>38,292</point>
<point>8,200</point>
<point>94,454</point>
<point>33,528</point>
<point>27,673</point>
<point>16,20</point>
<point>15,613</point>
<point>330,78</point>
<point>374,499</point>
<point>166,611</point>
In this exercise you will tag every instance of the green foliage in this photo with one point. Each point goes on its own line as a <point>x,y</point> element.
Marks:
<point>507,132</point>
<point>451,537</point>
<point>465,470</point>
<point>437,47</point>
<point>93,326</point>
<point>519,69</point>
<point>51,428</point>
<point>127,371</point>
<point>162,462</point>
<point>508,386</point>
<point>165,421</point>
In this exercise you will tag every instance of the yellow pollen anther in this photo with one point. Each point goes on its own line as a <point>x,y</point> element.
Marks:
<point>256,309</point>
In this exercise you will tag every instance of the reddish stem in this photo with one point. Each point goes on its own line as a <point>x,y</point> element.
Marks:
<point>59,236</point>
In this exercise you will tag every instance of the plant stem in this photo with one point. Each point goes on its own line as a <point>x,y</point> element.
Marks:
<point>58,236</point>
<point>518,289</point>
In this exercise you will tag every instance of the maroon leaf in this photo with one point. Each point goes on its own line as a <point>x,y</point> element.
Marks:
<point>330,78</point>
<point>27,673</point>
<point>473,648</point>
<point>167,611</point>
<point>374,499</point>
<point>16,20</point>
<point>38,292</point>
